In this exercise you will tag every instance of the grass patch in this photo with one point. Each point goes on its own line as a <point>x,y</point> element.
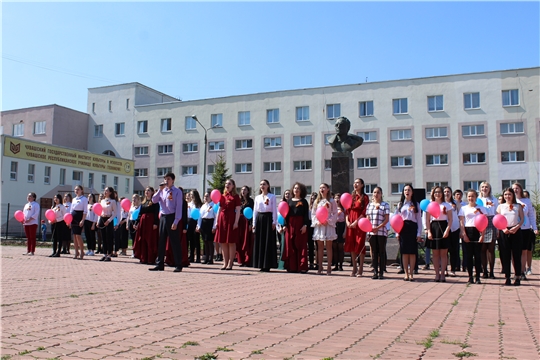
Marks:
<point>226,349</point>
<point>455,342</point>
<point>463,354</point>
<point>427,343</point>
<point>6,357</point>
<point>434,333</point>
<point>73,296</point>
<point>24,352</point>
<point>254,352</point>
<point>327,358</point>
<point>455,302</point>
<point>40,348</point>
<point>207,356</point>
<point>190,343</point>
<point>501,323</point>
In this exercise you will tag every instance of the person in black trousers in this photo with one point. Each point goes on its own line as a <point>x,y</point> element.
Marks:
<point>511,237</point>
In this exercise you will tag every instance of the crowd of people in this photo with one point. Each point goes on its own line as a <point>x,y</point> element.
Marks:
<point>166,227</point>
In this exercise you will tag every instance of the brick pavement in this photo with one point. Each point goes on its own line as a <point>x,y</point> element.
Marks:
<point>72,309</point>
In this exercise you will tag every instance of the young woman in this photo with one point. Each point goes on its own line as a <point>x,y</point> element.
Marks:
<point>121,232</point>
<point>453,246</point>
<point>470,234</point>
<point>439,233</point>
<point>378,213</point>
<point>528,229</point>
<point>337,245</point>
<point>355,239</point>
<point>106,221</point>
<point>90,226</point>
<point>312,246</point>
<point>146,226</point>
<point>98,232</point>
<point>411,233</point>
<point>58,226</point>
<point>244,247</point>
<point>511,236</point>
<point>66,242</point>
<point>490,235</point>
<point>280,230</point>
<point>79,209</point>
<point>206,226</point>
<point>264,227</point>
<point>31,221</point>
<point>227,223</point>
<point>297,222</point>
<point>193,237</point>
<point>324,231</point>
<point>130,226</point>
<point>458,199</point>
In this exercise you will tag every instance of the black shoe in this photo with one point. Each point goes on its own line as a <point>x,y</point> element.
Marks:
<point>508,282</point>
<point>108,258</point>
<point>471,281</point>
<point>401,271</point>
<point>426,267</point>
<point>210,263</point>
<point>178,269</point>
<point>485,276</point>
<point>103,258</point>
<point>477,281</point>
<point>375,276</point>
<point>157,268</point>
<point>415,272</point>
<point>523,277</point>
<point>56,255</point>
<point>340,267</point>
<point>492,275</point>
<point>381,277</point>
<point>517,282</point>
<point>52,255</point>
<point>336,268</point>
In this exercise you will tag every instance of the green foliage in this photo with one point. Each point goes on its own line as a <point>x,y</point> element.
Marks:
<point>224,349</point>
<point>220,174</point>
<point>463,354</point>
<point>207,356</point>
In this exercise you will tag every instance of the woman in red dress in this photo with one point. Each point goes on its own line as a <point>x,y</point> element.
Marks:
<point>296,234</point>
<point>227,224</point>
<point>146,238</point>
<point>245,241</point>
<point>355,239</point>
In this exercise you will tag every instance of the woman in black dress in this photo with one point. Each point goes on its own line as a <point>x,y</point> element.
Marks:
<point>411,233</point>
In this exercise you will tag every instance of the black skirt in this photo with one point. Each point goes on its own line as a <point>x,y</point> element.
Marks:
<point>264,246</point>
<point>407,237</point>
<point>77,217</point>
<point>472,233</point>
<point>437,231</point>
<point>340,228</point>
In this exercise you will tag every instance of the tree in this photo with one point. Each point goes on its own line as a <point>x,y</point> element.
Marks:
<point>220,174</point>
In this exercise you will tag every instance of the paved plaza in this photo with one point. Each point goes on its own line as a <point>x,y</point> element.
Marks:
<point>73,309</point>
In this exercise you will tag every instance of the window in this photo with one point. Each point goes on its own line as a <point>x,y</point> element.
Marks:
<point>438,132</point>
<point>397,188</point>
<point>191,124</point>
<point>110,105</point>
<point>109,153</point>
<point>141,172</point>
<point>94,107</point>
<point>431,184</point>
<point>189,170</point>
<point>139,192</point>
<point>31,170</point>
<point>510,97</point>
<point>272,116</point>
<point>166,125</point>
<point>276,190</point>
<point>127,107</point>
<point>400,106</point>
<point>142,127</point>
<point>474,158</point>
<point>216,146</point>
<point>47,175</point>
<point>126,189</point>
<point>18,129</point>
<point>63,177</point>
<point>190,147</point>
<point>115,183</point>
<point>77,176</point>
<point>333,111</point>
<point>103,182</point>
<point>396,135</point>
<point>13,171</point>
<point>471,101</point>
<point>164,149</point>
<point>368,136</point>
<point>211,169</point>
<point>368,188</point>
<point>512,156</point>
<point>91,180</point>
<point>216,120</point>
<point>401,161</point>
<point>244,144</point>
<point>366,108</point>
<point>272,166</point>
<point>308,188</point>
<point>327,164</point>
<point>119,129</point>
<point>475,185</point>
<point>440,159</point>
<point>304,140</point>
<point>512,128</point>
<point>272,142</point>
<point>509,183</point>
<point>98,130</point>
<point>327,139</point>
<point>435,103</point>
<point>39,127</point>
<point>472,130</point>
<point>367,162</point>
<point>242,168</point>
<point>302,165</point>
<point>141,150</point>
<point>302,113</point>
<point>244,118</point>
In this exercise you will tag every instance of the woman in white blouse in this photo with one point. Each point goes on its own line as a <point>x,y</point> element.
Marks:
<point>529,228</point>
<point>106,221</point>
<point>206,226</point>
<point>58,226</point>
<point>90,226</point>
<point>453,246</point>
<point>378,213</point>
<point>488,246</point>
<point>264,227</point>
<point>411,233</point>
<point>79,209</point>
<point>324,231</point>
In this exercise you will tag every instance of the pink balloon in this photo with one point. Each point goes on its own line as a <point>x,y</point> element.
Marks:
<point>97,209</point>
<point>396,222</point>
<point>283,208</point>
<point>215,195</point>
<point>346,200</point>
<point>126,204</point>
<point>481,222</point>
<point>68,218</point>
<point>365,225</point>
<point>19,215</point>
<point>434,209</point>
<point>322,214</point>
<point>500,222</point>
<point>50,215</point>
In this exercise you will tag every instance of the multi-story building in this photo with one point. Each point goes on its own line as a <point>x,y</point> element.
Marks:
<point>458,130</point>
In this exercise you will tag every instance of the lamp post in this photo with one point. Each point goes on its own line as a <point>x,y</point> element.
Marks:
<point>194,117</point>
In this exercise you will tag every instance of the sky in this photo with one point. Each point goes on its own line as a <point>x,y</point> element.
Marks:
<point>53,52</point>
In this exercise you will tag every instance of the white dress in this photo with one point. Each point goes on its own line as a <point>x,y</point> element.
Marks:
<point>328,231</point>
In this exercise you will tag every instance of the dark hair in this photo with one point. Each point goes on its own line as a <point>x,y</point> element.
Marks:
<point>312,198</point>
<point>245,198</point>
<point>303,189</point>
<point>509,189</point>
<point>69,196</point>
<point>472,190</point>
<point>268,183</point>
<point>433,192</point>
<point>171,175</point>
<point>33,194</point>
<point>196,198</point>
<point>80,187</point>
<point>91,196</point>
<point>380,189</point>
<point>338,201</point>
<point>363,192</point>
<point>458,191</point>
<point>451,198</point>
<point>146,201</point>
<point>59,197</point>
<point>112,193</point>
<point>402,201</point>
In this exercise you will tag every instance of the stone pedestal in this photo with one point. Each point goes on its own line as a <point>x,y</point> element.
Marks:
<point>342,172</point>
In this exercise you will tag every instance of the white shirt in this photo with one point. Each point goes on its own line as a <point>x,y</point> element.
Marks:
<point>31,213</point>
<point>110,208</point>
<point>469,213</point>
<point>265,203</point>
<point>59,212</point>
<point>529,212</point>
<point>207,212</point>
<point>445,207</point>
<point>80,203</point>
<point>511,215</point>
<point>490,204</point>
<point>90,215</point>
<point>408,214</point>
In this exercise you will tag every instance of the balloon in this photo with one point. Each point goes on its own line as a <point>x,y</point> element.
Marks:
<point>135,214</point>
<point>280,220</point>
<point>479,202</point>
<point>126,204</point>
<point>115,221</point>
<point>525,223</point>
<point>365,225</point>
<point>248,213</point>
<point>397,223</point>
<point>283,208</point>
<point>195,214</point>
<point>216,208</point>
<point>68,218</point>
<point>481,222</point>
<point>346,200</point>
<point>50,215</point>
<point>434,209</point>
<point>322,214</point>
<point>97,209</point>
<point>19,215</point>
<point>215,195</point>
<point>424,204</point>
<point>500,222</point>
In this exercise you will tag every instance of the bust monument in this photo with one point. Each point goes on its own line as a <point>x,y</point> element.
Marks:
<point>342,141</point>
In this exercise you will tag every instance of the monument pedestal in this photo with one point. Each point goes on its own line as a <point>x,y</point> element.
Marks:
<point>342,172</point>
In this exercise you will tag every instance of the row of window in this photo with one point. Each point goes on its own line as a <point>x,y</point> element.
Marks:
<point>39,128</point>
<point>110,106</point>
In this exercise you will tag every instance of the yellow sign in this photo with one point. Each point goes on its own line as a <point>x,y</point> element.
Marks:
<point>30,150</point>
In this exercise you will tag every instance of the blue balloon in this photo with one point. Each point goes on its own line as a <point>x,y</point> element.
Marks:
<point>526,223</point>
<point>424,204</point>
<point>216,208</point>
<point>135,214</point>
<point>115,222</point>
<point>248,213</point>
<point>195,214</point>
<point>280,220</point>
<point>479,202</point>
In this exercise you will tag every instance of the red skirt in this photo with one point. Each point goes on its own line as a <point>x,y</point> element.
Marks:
<point>244,247</point>
<point>295,252</point>
<point>145,247</point>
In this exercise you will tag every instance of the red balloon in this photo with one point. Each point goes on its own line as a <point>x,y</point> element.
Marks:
<point>68,218</point>
<point>322,214</point>
<point>19,215</point>
<point>396,222</point>
<point>97,209</point>
<point>365,225</point>
<point>126,204</point>
<point>283,208</point>
<point>50,215</point>
<point>215,195</point>
<point>500,222</point>
<point>434,209</point>
<point>346,200</point>
<point>481,222</point>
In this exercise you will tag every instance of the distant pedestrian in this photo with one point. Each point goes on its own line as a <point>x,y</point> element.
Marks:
<point>30,222</point>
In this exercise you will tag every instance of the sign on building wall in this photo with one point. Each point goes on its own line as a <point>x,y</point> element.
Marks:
<point>30,150</point>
